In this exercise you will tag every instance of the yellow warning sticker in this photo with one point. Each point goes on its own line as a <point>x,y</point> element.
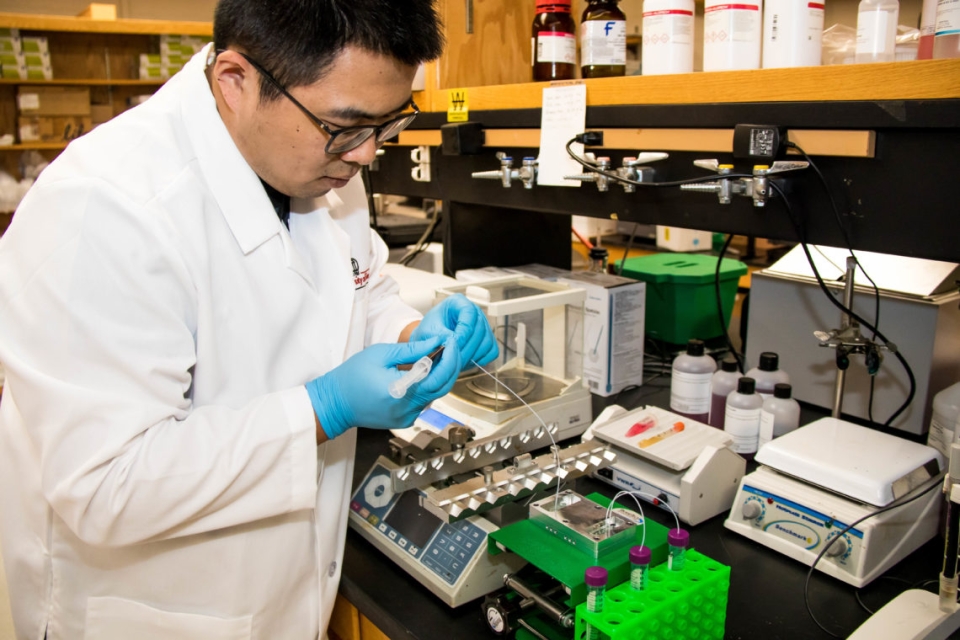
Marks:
<point>457,109</point>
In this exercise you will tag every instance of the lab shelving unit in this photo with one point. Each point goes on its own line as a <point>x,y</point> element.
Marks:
<point>100,54</point>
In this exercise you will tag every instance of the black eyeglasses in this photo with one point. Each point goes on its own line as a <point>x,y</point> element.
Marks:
<point>346,138</point>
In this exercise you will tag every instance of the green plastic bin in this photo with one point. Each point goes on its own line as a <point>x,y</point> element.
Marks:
<point>681,301</point>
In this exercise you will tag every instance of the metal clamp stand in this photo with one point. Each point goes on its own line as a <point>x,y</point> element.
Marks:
<point>847,340</point>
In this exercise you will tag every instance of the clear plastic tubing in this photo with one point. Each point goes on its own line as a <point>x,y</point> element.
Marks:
<point>639,565</point>
<point>419,371</point>
<point>677,542</point>
<point>596,579</point>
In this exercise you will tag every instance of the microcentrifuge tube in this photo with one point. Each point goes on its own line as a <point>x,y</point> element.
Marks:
<point>417,372</point>
<point>677,542</point>
<point>596,579</point>
<point>639,564</point>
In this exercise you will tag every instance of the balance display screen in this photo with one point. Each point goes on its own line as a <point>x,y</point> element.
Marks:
<point>412,521</point>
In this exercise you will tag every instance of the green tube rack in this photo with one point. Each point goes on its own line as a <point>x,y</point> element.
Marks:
<point>686,604</point>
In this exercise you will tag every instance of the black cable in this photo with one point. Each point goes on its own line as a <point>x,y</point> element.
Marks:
<point>365,178</point>
<point>626,250</point>
<point>716,285</point>
<point>873,380</point>
<point>637,183</point>
<point>506,336</point>
<point>806,585</point>
<point>802,234</point>
<point>857,593</point>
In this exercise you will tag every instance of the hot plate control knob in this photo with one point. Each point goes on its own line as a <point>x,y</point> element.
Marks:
<point>838,548</point>
<point>751,510</point>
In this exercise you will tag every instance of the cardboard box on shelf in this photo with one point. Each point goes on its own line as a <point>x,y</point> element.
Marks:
<point>54,101</point>
<point>98,11</point>
<point>53,128</point>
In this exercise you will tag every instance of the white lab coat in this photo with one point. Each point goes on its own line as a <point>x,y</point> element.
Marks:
<point>159,474</point>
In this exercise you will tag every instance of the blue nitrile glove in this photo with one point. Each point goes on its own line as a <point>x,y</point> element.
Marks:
<point>356,393</point>
<point>457,315</point>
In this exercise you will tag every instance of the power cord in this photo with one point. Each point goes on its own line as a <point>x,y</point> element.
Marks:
<point>806,585</point>
<point>716,286</point>
<point>424,241</point>
<point>802,234</point>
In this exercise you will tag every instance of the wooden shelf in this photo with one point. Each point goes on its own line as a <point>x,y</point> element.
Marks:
<point>36,146</point>
<point>28,22</point>
<point>916,80</point>
<point>92,82</point>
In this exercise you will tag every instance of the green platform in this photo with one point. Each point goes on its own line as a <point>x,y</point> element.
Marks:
<point>690,604</point>
<point>566,564</point>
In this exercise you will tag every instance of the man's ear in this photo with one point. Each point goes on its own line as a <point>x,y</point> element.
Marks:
<point>236,79</point>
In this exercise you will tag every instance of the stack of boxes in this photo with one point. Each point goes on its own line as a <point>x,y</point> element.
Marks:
<point>53,114</point>
<point>24,58</point>
<point>174,53</point>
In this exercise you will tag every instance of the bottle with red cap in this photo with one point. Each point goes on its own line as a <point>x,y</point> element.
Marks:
<point>553,47</point>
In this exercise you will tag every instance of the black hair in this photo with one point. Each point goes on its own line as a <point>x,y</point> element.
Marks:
<point>298,40</point>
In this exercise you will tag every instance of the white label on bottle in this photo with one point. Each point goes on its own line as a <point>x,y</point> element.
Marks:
<point>557,47</point>
<point>690,392</point>
<point>766,428</point>
<point>743,425</point>
<point>28,101</point>
<point>667,41</point>
<point>941,436</point>
<point>948,17</point>
<point>731,36</point>
<point>603,42</point>
<point>875,33</point>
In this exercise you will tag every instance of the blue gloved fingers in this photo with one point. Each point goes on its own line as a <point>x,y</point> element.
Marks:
<point>443,375</point>
<point>410,352</point>
<point>488,352</point>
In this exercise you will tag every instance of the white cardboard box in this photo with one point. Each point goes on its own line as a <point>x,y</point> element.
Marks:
<point>613,330</point>
<point>677,239</point>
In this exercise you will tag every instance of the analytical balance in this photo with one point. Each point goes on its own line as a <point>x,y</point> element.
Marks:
<point>819,479</point>
<point>539,328</point>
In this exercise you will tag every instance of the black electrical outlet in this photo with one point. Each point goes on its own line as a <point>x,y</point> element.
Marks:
<point>760,142</point>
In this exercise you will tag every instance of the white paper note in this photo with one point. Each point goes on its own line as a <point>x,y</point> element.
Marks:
<point>564,116</point>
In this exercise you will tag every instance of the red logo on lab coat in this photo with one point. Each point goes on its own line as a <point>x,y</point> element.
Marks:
<point>360,279</point>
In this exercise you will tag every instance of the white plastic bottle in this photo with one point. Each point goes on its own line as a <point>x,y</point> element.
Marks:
<point>722,384</point>
<point>731,35</point>
<point>742,420</point>
<point>667,37</point>
<point>690,382</point>
<point>768,374</point>
<point>792,33</point>
<point>877,30</point>
<point>946,413</point>
<point>946,41</point>
<point>779,414</point>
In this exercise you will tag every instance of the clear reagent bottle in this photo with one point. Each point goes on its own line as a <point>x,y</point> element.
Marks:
<point>946,39</point>
<point>722,384</point>
<point>690,382</point>
<point>639,565</point>
<point>603,40</point>
<point>768,373</point>
<point>677,542</point>
<point>742,421</point>
<point>779,415</point>
<point>877,30</point>
<point>596,579</point>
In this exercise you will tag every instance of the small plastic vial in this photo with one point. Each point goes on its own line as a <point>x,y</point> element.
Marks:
<point>596,579</point>
<point>690,382</point>
<point>779,415</point>
<point>742,421</point>
<point>667,37</point>
<point>731,35</point>
<point>598,260</point>
<point>603,40</point>
<point>877,30</point>
<point>639,565</point>
<point>677,542</point>
<point>722,384</point>
<point>768,373</point>
<point>792,33</point>
<point>554,43</point>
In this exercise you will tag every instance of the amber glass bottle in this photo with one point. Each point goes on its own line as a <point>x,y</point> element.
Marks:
<point>554,42</point>
<point>603,40</point>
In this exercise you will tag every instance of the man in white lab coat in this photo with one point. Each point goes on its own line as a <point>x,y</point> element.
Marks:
<point>193,322</point>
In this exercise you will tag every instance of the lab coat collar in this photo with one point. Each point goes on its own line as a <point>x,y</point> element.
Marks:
<point>235,186</point>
